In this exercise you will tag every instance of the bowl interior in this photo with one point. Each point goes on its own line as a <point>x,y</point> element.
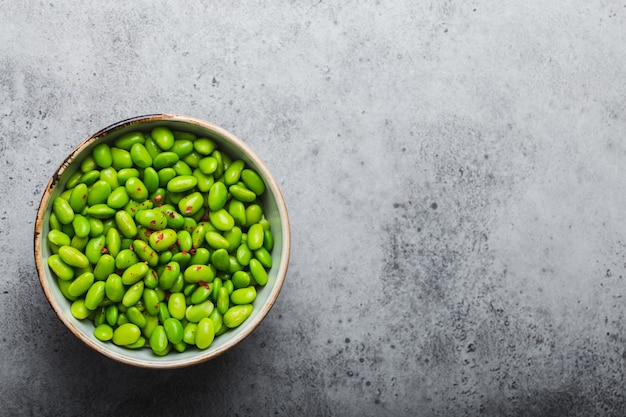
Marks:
<point>274,209</point>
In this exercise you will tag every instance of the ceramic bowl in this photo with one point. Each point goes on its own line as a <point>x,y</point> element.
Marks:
<point>274,210</point>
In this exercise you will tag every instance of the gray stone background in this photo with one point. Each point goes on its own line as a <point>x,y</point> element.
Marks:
<point>454,173</point>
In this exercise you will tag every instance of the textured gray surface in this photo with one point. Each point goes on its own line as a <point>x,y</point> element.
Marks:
<point>454,173</point>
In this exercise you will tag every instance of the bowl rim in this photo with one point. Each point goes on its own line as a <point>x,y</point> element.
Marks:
<point>165,362</point>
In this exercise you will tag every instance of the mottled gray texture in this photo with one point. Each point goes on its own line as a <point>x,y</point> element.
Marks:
<point>455,175</point>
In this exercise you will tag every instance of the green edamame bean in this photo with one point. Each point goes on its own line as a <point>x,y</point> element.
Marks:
<point>112,313</point>
<point>182,183</point>
<point>145,252</point>
<point>151,280</point>
<point>234,237</point>
<point>244,295</point>
<point>113,242</point>
<point>163,313</point>
<point>114,288</point>
<point>218,194</point>
<point>263,256</point>
<point>95,295</point>
<point>99,193</point>
<point>90,177</point>
<point>241,193</point>
<point>140,155</point>
<point>78,197</point>
<point>121,158</point>
<point>219,169</point>
<point>205,182</point>
<point>136,189</point>
<point>193,159</point>
<point>103,332</point>
<point>221,220</point>
<point>176,305</point>
<point>217,319</point>
<point>163,137</point>
<point>150,179</point>
<point>101,211</point>
<point>58,238</point>
<point>73,257</point>
<point>126,173</point>
<point>237,315</point>
<point>253,181</point>
<point>161,240</point>
<point>63,286</point>
<point>255,237</point>
<point>174,330</point>
<point>198,273</point>
<point>125,224</point>
<point>244,254</point>
<point>198,235</point>
<point>216,240</point>
<point>201,293</point>
<point>189,333</point>
<point>158,339</point>
<point>133,294</point>
<point>73,180</point>
<point>184,240</point>
<point>217,284</point>
<point>223,300</point>
<point>118,198</point>
<point>153,219</point>
<point>62,210</point>
<point>165,160</point>
<point>151,323</point>
<point>125,258</point>
<point>191,204</point>
<point>81,226</point>
<point>165,175</point>
<point>134,273</point>
<point>81,284</point>
<point>205,333</point>
<point>258,272</point>
<point>233,172</point>
<point>61,269</point>
<point>96,227</point>
<point>182,168</point>
<point>102,155</point>
<point>151,301</point>
<point>110,175</point>
<point>126,334</point>
<point>268,240</point>
<point>220,259</point>
<point>254,214</point>
<point>104,267</point>
<point>207,165</point>
<point>88,164</point>
<point>182,147</point>
<point>240,279</point>
<point>152,147</point>
<point>122,318</point>
<point>196,312</point>
<point>169,275</point>
<point>201,257</point>
<point>127,140</point>
<point>237,210</point>
<point>228,284</point>
<point>136,317</point>
<point>78,309</point>
<point>204,146</point>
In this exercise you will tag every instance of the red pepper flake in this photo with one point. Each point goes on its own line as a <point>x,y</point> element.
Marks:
<point>160,237</point>
<point>184,252</point>
<point>153,222</point>
<point>158,198</point>
<point>169,267</point>
<point>205,285</point>
<point>198,268</point>
<point>156,306</point>
<point>172,215</point>
<point>104,250</point>
<point>188,209</point>
<point>192,251</point>
<point>131,247</point>
<point>205,218</point>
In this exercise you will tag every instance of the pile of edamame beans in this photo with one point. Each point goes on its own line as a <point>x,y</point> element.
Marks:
<point>161,240</point>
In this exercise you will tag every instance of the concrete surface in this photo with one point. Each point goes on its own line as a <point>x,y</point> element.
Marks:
<point>454,172</point>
